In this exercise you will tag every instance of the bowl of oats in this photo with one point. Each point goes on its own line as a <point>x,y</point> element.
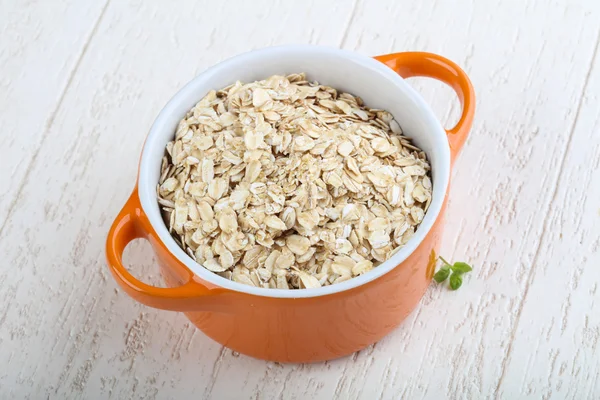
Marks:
<point>294,197</point>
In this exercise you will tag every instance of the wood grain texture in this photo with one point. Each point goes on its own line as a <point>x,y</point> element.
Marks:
<point>524,207</point>
<point>38,57</point>
<point>557,339</point>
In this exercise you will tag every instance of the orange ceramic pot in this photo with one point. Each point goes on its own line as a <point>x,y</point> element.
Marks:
<point>309,324</point>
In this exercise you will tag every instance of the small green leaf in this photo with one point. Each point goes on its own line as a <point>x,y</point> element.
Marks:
<point>455,281</point>
<point>461,267</point>
<point>442,274</point>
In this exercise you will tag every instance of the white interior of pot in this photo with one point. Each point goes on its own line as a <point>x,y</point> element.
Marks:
<point>379,87</point>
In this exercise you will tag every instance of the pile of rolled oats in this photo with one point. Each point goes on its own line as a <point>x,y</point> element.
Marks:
<point>285,183</point>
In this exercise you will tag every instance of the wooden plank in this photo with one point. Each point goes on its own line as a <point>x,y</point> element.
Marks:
<point>556,349</point>
<point>38,56</point>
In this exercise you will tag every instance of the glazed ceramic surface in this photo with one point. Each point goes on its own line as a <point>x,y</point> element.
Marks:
<point>310,324</point>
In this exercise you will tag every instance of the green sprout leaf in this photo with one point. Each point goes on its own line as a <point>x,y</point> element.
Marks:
<point>461,267</point>
<point>442,274</point>
<point>455,271</point>
<point>455,281</point>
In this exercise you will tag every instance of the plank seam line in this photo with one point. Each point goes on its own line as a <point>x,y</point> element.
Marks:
<point>545,224</point>
<point>50,121</point>
<point>215,372</point>
<point>349,23</point>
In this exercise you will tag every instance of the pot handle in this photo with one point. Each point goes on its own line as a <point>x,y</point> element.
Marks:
<point>410,64</point>
<point>130,224</point>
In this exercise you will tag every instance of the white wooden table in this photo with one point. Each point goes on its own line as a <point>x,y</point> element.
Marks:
<point>80,85</point>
